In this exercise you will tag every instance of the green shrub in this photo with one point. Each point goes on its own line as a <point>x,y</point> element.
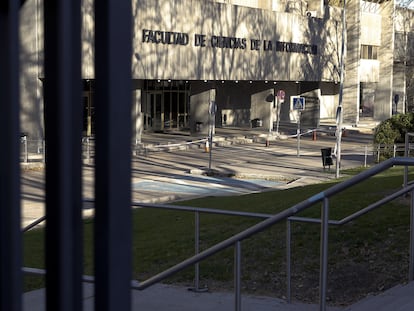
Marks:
<point>392,131</point>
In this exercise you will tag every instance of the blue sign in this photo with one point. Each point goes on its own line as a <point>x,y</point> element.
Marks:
<point>299,103</point>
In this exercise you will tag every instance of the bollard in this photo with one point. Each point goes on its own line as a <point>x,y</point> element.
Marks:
<point>365,156</point>
<point>207,147</point>
<point>314,135</point>
<point>23,139</point>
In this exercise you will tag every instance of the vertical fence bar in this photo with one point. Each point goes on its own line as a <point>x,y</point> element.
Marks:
<point>406,155</point>
<point>197,250</point>
<point>237,276</point>
<point>323,279</point>
<point>10,236</point>
<point>63,134</point>
<point>113,224</point>
<point>88,150</point>
<point>411,263</point>
<point>378,152</point>
<point>288,261</point>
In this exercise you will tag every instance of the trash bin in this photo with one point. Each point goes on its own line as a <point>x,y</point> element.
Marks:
<point>326,157</point>
<point>257,122</point>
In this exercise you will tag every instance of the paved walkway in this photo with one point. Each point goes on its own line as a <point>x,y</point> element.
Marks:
<point>162,297</point>
<point>177,174</point>
<point>166,174</point>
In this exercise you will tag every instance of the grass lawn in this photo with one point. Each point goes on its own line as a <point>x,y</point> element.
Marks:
<point>365,256</point>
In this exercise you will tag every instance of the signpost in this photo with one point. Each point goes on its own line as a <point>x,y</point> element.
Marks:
<point>212,109</point>
<point>280,100</point>
<point>298,104</point>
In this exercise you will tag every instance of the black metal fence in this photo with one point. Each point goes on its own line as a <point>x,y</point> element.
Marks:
<point>63,135</point>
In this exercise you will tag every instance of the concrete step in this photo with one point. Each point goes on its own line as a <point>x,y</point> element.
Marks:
<point>193,144</point>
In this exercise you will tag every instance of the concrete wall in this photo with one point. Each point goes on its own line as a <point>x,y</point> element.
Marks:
<point>255,32</point>
<point>31,69</point>
<point>31,57</point>
<point>263,107</point>
<point>369,22</point>
<point>369,70</point>
<point>200,118</point>
<point>250,58</point>
<point>351,77</point>
<point>328,100</point>
<point>88,39</point>
<point>383,96</point>
<point>233,100</point>
<point>403,71</point>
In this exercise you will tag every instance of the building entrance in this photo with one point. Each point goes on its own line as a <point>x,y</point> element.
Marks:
<point>165,105</point>
<point>367,100</point>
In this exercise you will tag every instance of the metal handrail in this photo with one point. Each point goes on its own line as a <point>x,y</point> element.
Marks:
<point>320,197</point>
<point>288,215</point>
<point>34,223</point>
<point>359,213</point>
<point>341,222</point>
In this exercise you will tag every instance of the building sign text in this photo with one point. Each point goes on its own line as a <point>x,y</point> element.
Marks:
<point>224,42</point>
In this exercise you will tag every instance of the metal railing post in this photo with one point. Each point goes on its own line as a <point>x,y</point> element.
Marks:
<point>196,287</point>
<point>88,149</point>
<point>288,260</point>
<point>197,250</point>
<point>26,154</point>
<point>411,259</point>
<point>406,155</point>
<point>378,152</point>
<point>324,255</point>
<point>237,275</point>
<point>44,150</point>
<point>10,214</point>
<point>365,156</point>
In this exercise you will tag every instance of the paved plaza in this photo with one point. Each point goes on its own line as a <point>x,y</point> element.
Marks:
<point>170,167</point>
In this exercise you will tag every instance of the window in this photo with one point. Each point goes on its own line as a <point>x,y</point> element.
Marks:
<point>369,52</point>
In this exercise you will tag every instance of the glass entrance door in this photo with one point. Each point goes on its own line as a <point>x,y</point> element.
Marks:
<point>157,111</point>
<point>166,106</point>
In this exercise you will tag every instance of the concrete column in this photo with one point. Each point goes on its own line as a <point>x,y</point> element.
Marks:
<point>199,114</point>
<point>352,81</point>
<point>137,117</point>
<point>384,93</point>
<point>262,108</point>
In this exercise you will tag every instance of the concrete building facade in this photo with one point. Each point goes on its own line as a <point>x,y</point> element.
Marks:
<point>236,62</point>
